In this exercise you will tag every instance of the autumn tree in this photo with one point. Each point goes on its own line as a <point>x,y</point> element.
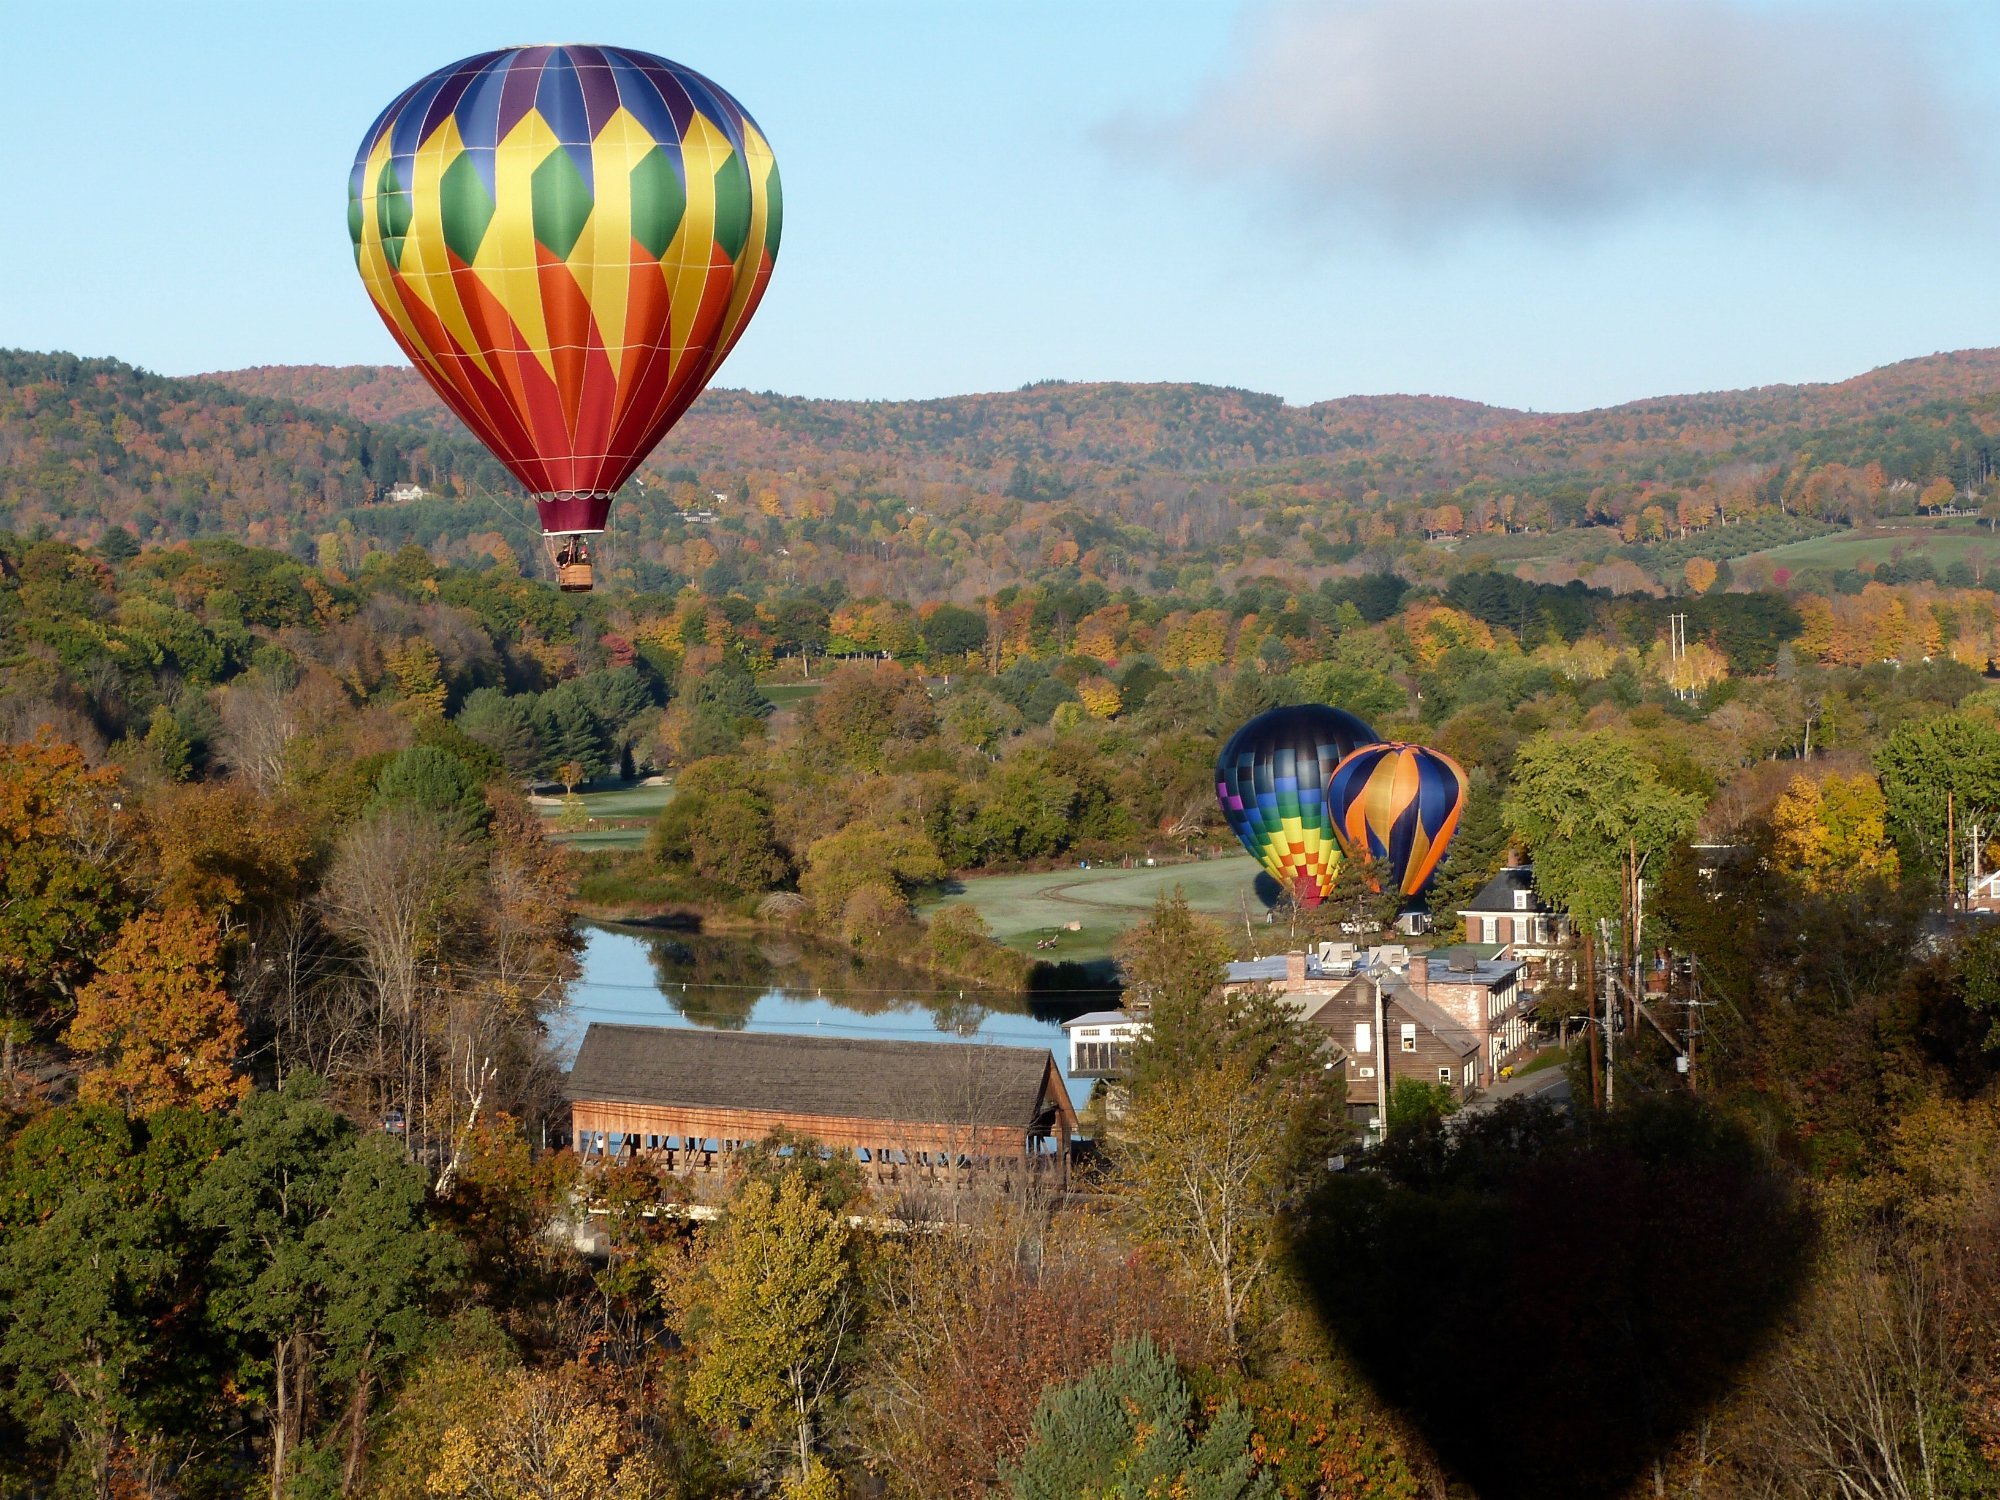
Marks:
<point>1831,833</point>
<point>223,850</point>
<point>968,1329</point>
<point>884,864</point>
<point>414,666</point>
<point>540,1435</point>
<point>156,1023</point>
<point>1172,963</point>
<point>1700,575</point>
<point>1231,1102</point>
<point>768,1307</point>
<point>60,854</point>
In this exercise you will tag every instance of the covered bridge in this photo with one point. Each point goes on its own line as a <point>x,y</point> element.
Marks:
<point>688,1098</point>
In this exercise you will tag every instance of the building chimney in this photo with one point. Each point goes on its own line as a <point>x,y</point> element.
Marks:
<point>1295,971</point>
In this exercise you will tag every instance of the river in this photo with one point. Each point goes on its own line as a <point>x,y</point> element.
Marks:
<point>777,983</point>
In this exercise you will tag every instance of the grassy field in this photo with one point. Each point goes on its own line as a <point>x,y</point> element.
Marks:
<point>1023,909</point>
<point>788,694</point>
<point>619,815</point>
<point>1944,542</point>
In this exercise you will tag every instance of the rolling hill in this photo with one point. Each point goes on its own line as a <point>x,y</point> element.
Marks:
<point>1131,485</point>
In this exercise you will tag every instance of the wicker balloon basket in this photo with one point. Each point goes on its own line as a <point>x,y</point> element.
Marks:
<point>570,557</point>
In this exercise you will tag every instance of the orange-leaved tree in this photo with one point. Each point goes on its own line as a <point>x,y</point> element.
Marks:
<point>60,856</point>
<point>158,1026</point>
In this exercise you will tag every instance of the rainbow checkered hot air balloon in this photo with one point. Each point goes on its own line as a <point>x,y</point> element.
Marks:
<point>1399,804</point>
<point>1271,780</point>
<point>566,241</point>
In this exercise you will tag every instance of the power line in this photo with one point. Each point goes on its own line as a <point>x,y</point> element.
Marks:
<point>664,986</point>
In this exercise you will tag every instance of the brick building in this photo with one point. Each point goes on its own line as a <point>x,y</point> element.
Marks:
<point>1456,1017</point>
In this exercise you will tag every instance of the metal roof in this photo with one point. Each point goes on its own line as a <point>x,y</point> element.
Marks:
<point>1101,1018</point>
<point>1487,971</point>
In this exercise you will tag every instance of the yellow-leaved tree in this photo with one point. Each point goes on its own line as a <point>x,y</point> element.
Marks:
<point>156,1023</point>
<point>1831,833</point>
<point>420,691</point>
<point>1700,574</point>
<point>541,1435</point>
<point>767,1313</point>
<point>1100,697</point>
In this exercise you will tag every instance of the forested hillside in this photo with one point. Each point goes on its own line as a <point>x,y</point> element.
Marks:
<point>1124,486</point>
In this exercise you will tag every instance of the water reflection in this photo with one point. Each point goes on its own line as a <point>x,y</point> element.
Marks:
<point>644,977</point>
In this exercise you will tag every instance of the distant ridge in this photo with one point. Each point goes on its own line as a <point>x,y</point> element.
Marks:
<point>1176,425</point>
<point>1116,485</point>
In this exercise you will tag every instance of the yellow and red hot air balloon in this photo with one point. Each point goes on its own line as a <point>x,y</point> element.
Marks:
<point>1399,804</point>
<point>566,241</point>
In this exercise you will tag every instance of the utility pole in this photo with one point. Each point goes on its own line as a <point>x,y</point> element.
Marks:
<point>1589,1000</point>
<point>1610,1016</point>
<point>1381,1060</point>
<point>1694,1023</point>
<point>1677,649</point>
<point>1950,856</point>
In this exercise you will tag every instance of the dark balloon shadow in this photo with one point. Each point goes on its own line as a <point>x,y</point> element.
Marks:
<point>1553,1307</point>
<point>1268,890</point>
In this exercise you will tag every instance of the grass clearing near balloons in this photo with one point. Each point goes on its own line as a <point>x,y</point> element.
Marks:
<point>1106,900</point>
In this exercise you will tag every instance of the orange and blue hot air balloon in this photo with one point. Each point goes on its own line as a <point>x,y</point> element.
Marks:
<point>566,241</point>
<point>1271,781</point>
<point>1399,804</point>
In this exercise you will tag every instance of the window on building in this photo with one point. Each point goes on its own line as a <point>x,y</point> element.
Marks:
<point>1444,1077</point>
<point>1468,1075</point>
<point>1492,930</point>
<point>1364,1038</point>
<point>1524,901</point>
<point>1409,1037</point>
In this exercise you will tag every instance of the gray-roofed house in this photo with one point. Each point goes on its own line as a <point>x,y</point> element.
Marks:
<point>1510,912</point>
<point>689,1097</point>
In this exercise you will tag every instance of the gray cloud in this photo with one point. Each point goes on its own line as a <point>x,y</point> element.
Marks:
<point>1422,114</point>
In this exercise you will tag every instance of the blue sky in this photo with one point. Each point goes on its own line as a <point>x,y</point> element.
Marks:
<point>1545,203</point>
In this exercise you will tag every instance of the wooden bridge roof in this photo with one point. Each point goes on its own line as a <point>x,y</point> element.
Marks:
<point>921,1082</point>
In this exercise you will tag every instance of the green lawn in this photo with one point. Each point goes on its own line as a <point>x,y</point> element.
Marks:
<point>788,694</point>
<point>1022,909</point>
<point>619,815</point>
<point>1944,542</point>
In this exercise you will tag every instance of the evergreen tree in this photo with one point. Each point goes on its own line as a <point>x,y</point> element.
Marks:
<point>426,777</point>
<point>1477,852</point>
<point>1127,1431</point>
<point>503,725</point>
<point>569,731</point>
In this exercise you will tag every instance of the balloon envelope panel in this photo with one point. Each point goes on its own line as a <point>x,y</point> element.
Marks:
<point>1271,781</point>
<point>1399,804</point>
<point>566,241</point>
